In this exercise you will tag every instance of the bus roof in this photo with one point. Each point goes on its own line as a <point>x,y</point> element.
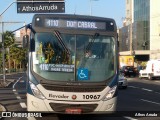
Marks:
<point>71,16</point>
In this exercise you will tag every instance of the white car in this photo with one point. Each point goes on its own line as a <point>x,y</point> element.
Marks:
<point>152,70</point>
<point>122,81</point>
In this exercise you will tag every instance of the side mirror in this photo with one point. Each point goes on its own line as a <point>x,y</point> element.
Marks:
<point>25,41</point>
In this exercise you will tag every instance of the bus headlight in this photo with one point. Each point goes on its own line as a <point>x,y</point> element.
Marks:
<point>37,93</point>
<point>110,93</point>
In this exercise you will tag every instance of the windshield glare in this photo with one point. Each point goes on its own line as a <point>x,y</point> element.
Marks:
<point>68,57</point>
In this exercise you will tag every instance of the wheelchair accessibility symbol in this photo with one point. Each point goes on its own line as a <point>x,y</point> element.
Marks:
<point>82,74</point>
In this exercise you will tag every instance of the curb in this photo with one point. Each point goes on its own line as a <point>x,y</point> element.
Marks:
<point>6,84</point>
<point>2,108</point>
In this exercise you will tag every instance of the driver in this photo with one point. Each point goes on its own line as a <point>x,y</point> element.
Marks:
<point>89,54</point>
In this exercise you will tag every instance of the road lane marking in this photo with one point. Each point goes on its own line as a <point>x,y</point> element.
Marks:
<point>144,89</point>
<point>14,90</point>
<point>23,105</point>
<point>15,93</point>
<point>16,82</point>
<point>18,97</point>
<point>130,118</point>
<point>21,81</point>
<point>150,101</point>
<point>147,89</point>
<point>157,92</point>
<point>133,87</point>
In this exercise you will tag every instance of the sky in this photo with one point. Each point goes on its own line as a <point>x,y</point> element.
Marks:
<point>103,8</point>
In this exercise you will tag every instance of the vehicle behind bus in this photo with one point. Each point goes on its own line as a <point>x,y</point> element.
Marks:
<point>152,70</point>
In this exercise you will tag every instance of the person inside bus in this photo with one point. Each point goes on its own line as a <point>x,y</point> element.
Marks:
<point>89,54</point>
<point>49,52</point>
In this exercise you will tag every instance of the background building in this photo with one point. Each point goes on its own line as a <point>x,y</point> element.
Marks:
<point>141,30</point>
<point>19,36</point>
<point>155,29</point>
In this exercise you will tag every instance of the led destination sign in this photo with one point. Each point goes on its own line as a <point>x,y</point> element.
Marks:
<point>77,24</point>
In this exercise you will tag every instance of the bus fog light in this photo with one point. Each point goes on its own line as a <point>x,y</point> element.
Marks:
<point>109,106</point>
<point>35,104</point>
<point>37,93</point>
<point>110,93</point>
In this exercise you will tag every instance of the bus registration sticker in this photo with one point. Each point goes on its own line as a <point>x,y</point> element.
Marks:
<point>82,74</point>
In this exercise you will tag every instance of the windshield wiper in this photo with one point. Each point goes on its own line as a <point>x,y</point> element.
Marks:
<point>57,34</point>
<point>92,41</point>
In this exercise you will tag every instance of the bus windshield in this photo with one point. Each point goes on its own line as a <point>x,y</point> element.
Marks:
<point>74,57</point>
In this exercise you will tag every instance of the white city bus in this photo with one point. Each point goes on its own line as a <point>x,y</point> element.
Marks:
<point>73,64</point>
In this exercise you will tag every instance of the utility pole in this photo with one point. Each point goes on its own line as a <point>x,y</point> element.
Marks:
<point>3,56</point>
<point>91,6</point>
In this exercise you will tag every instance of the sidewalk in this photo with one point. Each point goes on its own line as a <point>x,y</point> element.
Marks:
<point>2,108</point>
<point>7,81</point>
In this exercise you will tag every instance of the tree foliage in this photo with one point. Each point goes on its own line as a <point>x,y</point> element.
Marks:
<point>9,39</point>
<point>15,55</point>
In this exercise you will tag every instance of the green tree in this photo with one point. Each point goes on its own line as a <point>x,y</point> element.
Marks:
<point>0,60</point>
<point>15,55</point>
<point>9,39</point>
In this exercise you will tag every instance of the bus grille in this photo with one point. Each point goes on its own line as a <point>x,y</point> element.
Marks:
<point>74,88</point>
<point>86,108</point>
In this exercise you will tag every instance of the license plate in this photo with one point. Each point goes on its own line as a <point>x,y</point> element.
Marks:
<point>73,111</point>
<point>130,71</point>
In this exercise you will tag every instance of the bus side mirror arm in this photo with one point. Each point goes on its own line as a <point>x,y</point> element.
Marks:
<point>29,26</point>
<point>117,41</point>
<point>26,37</point>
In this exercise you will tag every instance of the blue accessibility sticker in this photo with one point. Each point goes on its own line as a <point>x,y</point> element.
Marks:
<point>82,74</point>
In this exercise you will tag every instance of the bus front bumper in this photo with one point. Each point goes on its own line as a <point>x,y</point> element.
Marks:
<point>39,105</point>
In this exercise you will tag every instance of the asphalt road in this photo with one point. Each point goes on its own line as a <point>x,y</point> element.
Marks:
<point>140,98</point>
